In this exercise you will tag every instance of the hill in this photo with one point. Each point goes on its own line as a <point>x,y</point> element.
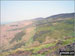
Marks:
<point>38,37</point>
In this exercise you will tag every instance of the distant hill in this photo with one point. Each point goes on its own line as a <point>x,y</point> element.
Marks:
<point>64,15</point>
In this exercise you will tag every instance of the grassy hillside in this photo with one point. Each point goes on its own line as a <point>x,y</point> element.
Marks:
<point>44,37</point>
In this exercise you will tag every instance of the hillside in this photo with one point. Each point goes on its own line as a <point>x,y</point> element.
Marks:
<point>38,37</point>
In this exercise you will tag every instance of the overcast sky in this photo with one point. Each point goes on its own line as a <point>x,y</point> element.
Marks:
<point>24,10</point>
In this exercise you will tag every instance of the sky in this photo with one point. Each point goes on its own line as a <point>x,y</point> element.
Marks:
<point>12,11</point>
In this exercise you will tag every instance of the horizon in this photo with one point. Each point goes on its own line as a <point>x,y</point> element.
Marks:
<point>33,18</point>
<point>12,11</point>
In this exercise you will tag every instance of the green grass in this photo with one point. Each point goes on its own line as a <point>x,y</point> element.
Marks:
<point>58,31</point>
<point>39,55</point>
<point>65,42</point>
<point>68,41</point>
<point>37,48</point>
